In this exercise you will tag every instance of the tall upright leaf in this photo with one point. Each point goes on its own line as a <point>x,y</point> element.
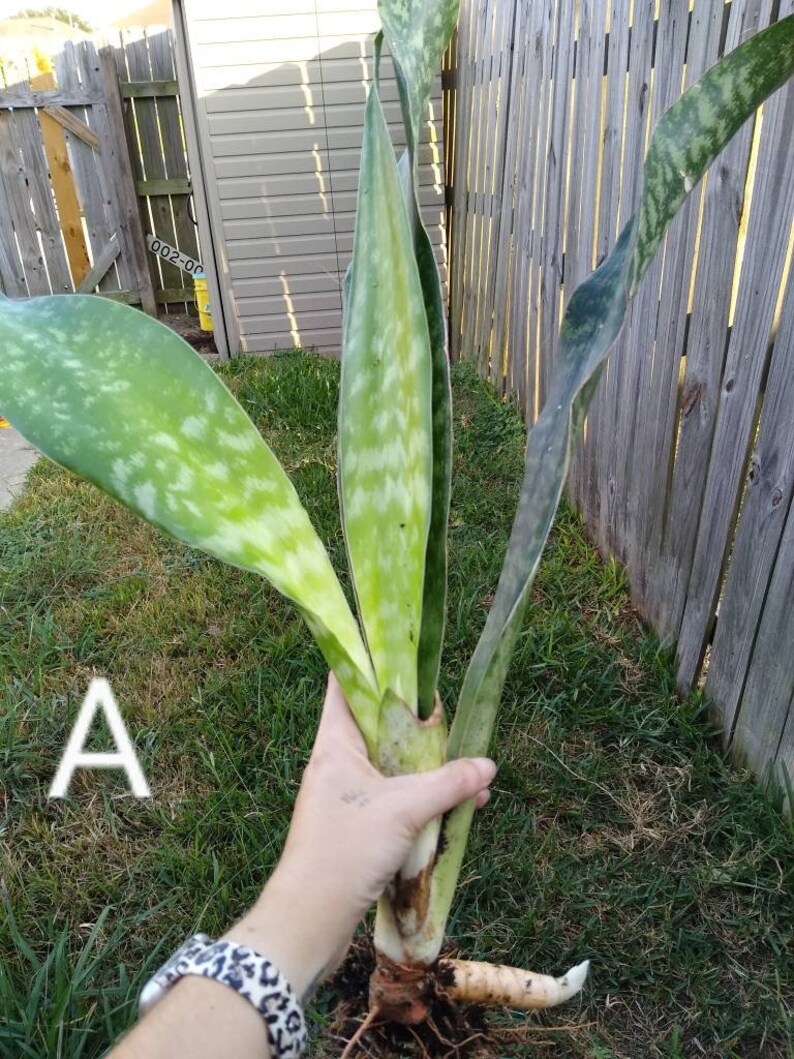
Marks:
<point>385,417</point>
<point>418,33</point>
<point>123,401</point>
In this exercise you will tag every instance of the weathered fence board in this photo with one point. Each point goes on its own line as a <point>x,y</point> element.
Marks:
<point>57,155</point>
<point>70,69</point>
<point>662,409</point>
<point>762,270</point>
<point>767,499</point>
<point>770,678</point>
<point>699,388</point>
<point>148,161</point>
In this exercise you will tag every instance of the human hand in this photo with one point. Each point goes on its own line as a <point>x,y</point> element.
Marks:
<point>351,831</point>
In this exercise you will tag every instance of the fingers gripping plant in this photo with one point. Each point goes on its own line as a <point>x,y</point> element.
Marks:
<point>123,401</point>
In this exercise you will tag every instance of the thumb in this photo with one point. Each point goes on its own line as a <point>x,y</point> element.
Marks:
<point>426,795</point>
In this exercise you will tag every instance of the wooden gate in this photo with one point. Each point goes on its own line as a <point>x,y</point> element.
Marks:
<point>70,220</point>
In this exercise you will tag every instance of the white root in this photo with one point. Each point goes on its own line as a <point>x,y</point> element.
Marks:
<point>498,986</point>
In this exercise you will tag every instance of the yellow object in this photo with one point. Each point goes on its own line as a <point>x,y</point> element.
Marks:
<point>4,423</point>
<point>202,301</point>
<point>42,60</point>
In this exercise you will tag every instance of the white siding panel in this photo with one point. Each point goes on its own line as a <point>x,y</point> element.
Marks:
<point>281,98</point>
<point>238,101</point>
<point>265,207</point>
<point>299,49</point>
<point>323,340</point>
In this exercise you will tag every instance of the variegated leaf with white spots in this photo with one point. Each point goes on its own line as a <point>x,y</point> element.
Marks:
<point>418,32</point>
<point>385,442</point>
<point>123,401</point>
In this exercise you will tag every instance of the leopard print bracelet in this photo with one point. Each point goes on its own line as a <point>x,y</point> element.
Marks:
<point>250,975</point>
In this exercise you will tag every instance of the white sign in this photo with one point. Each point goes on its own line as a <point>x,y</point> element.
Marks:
<point>171,254</point>
<point>99,697</point>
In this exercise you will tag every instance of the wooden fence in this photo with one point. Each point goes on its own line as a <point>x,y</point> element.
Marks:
<point>686,470</point>
<point>93,160</point>
<point>71,218</point>
<point>155,135</point>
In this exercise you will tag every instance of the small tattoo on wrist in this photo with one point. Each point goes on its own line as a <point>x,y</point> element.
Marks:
<point>359,798</point>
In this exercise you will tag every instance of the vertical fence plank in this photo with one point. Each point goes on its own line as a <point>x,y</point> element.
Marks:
<point>149,164</point>
<point>637,353</point>
<point>765,254</point>
<point>36,173</point>
<point>495,181</point>
<point>115,170</point>
<point>175,155</point>
<point>768,496</point>
<point>463,94</point>
<point>783,764</point>
<point>769,690</point>
<point>557,156</point>
<point>512,116</point>
<point>63,187</point>
<point>685,243</point>
<point>71,71</point>
<point>581,227</point>
<point>19,208</point>
<point>606,236</point>
<point>619,446</point>
<point>688,423</point>
<point>483,59</point>
<point>652,360</point>
<point>531,163</point>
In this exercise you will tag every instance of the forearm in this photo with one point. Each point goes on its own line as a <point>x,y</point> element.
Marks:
<point>302,929</point>
<point>199,1018</point>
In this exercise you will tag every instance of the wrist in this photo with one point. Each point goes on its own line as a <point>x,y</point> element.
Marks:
<point>299,924</point>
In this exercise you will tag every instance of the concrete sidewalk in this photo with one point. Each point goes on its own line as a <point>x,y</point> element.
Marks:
<point>16,457</point>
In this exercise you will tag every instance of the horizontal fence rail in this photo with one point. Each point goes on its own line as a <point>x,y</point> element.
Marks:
<point>686,468</point>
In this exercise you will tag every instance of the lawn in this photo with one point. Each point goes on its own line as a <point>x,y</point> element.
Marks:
<point>616,831</point>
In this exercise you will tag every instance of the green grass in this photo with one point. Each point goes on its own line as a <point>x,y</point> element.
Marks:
<point>615,832</point>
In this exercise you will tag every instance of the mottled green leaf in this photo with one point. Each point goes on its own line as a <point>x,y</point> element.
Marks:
<point>694,130</point>
<point>434,598</point>
<point>385,418</point>
<point>123,401</point>
<point>686,141</point>
<point>418,32</point>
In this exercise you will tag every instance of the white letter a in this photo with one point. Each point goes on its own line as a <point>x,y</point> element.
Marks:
<point>99,697</point>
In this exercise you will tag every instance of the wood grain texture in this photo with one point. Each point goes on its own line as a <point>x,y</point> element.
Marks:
<point>745,364</point>
<point>62,180</point>
<point>146,146</point>
<point>692,423</point>
<point>72,68</point>
<point>18,211</point>
<point>67,120</point>
<point>768,692</point>
<point>115,169</point>
<point>683,428</point>
<point>35,174</point>
<point>767,499</point>
<point>174,152</point>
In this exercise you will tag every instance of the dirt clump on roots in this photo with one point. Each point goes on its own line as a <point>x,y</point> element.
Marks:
<point>451,1031</point>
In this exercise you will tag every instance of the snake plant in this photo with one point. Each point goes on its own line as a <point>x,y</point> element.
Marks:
<point>121,400</point>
